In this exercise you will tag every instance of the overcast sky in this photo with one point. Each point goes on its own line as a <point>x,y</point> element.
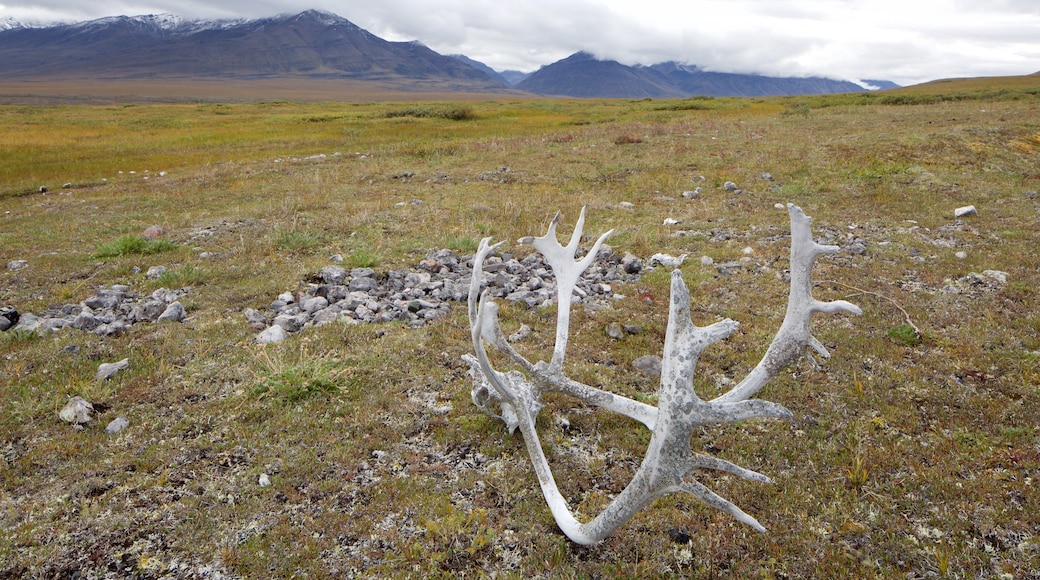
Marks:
<point>905,41</point>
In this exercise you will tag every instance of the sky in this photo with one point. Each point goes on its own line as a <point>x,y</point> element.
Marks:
<point>904,41</point>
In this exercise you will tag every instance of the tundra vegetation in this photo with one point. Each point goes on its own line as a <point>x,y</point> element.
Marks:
<point>355,449</point>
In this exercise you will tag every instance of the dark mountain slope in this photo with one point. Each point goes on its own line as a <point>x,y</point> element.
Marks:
<point>583,75</point>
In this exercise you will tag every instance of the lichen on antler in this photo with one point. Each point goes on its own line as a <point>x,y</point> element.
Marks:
<point>670,461</point>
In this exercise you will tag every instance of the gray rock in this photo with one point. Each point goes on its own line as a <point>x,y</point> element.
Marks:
<point>155,271</point>
<point>77,411</point>
<point>28,322</point>
<point>334,274</point>
<point>167,296</point>
<point>314,304</point>
<point>117,425</point>
<point>649,365</point>
<point>108,370</point>
<point>362,273</point>
<point>730,186</point>
<point>521,334</point>
<point>114,328</point>
<point>631,264</point>
<point>363,284</point>
<point>147,311</point>
<point>173,313</point>
<point>85,322</point>
<point>16,265</point>
<point>614,331</point>
<point>289,322</point>
<point>8,317</point>
<point>965,211</point>
<point>253,316</point>
<point>272,334</point>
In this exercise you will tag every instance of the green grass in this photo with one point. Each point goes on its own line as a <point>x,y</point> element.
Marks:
<point>131,244</point>
<point>909,455</point>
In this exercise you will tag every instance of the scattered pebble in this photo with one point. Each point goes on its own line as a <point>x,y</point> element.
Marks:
<point>965,211</point>
<point>264,480</point>
<point>961,255</point>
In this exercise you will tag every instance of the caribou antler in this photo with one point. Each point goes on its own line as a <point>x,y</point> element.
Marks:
<point>669,461</point>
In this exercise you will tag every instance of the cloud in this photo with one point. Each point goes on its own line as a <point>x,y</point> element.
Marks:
<point>907,42</point>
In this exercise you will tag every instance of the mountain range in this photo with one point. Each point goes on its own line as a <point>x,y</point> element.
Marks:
<point>318,44</point>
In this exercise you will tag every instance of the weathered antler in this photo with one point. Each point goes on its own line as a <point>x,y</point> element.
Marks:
<point>669,460</point>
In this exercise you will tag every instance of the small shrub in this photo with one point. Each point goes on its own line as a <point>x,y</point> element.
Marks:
<point>905,335</point>
<point>362,258</point>
<point>451,112</point>
<point>131,244</point>
<point>463,245</point>
<point>294,381</point>
<point>187,275</point>
<point>294,240</point>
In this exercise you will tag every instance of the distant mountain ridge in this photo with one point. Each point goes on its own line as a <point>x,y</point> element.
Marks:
<point>320,44</point>
<point>310,44</point>
<point>583,75</point>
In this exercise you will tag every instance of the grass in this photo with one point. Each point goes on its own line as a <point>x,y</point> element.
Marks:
<point>913,451</point>
<point>132,244</point>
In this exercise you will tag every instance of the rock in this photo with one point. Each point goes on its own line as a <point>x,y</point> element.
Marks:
<point>961,255</point>
<point>28,323</point>
<point>998,276</point>
<point>363,284</point>
<point>766,176</point>
<point>273,334</point>
<point>8,317</point>
<point>155,272</point>
<point>614,331</point>
<point>363,273</point>
<point>334,274</point>
<point>148,311</point>
<point>86,322</point>
<point>117,425</point>
<point>630,264</point>
<point>253,315</point>
<point>152,232</point>
<point>77,411</point>
<point>521,334</point>
<point>625,205</point>
<point>649,365</point>
<point>692,194</point>
<point>730,186</point>
<point>965,211</point>
<point>632,329</point>
<point>667,260</point>
<point>728,269</point>
<point>315,303</point>
<point>108,370</point>
<point>173,313</point>
<point>16,265</point>
<point>707,261</point>
<point>857,248</point>
<point>670,222</point>
<point>287,297</point>
<point>264,480</point>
